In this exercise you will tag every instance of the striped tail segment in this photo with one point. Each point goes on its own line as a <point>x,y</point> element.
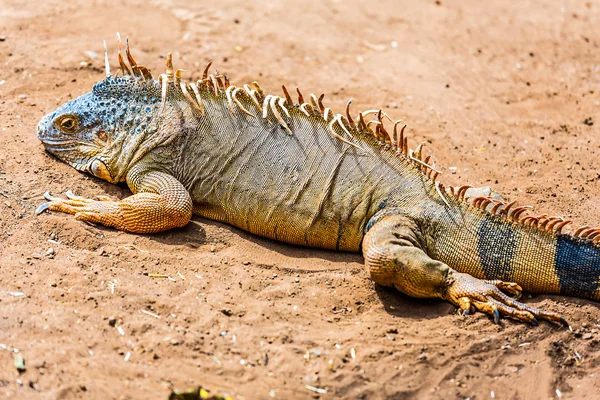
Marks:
<point>540,261</point>
<point>515,247</point>
<point>577,264</point>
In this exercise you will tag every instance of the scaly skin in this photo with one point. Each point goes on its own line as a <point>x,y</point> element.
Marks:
<point>302,175</point>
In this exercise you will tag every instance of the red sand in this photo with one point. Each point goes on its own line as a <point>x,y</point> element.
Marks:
<point>499,90</point>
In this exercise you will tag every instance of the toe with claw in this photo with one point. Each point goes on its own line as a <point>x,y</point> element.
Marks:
<point>73,204</point>
<point>470,293</point>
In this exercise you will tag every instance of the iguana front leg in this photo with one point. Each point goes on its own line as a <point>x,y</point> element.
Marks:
<point>393,257</point>
<point>160,202</point>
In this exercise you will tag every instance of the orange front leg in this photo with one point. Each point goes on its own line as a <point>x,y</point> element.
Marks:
<point>160,203</point>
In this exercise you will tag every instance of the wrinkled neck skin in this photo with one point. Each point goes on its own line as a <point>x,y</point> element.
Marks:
<point>159,143</point>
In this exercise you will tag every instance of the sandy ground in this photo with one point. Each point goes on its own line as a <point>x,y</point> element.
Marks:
<point>506,93</point>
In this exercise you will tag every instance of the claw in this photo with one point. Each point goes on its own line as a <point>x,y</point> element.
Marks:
<point>71,196</point>
<point>534,322</point>
<point>49,197</point>
<point>564,322</point>
<point>42,208</point>
<point>496,315</point>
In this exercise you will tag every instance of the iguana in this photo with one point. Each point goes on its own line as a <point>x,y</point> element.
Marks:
<point>298,173</point>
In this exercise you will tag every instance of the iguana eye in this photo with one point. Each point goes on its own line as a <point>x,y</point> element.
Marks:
<point>67,123</point>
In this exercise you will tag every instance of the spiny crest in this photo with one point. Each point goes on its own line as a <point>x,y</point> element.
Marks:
<point>518,214</point>
<point>341,127</point>
<point>138,71</point>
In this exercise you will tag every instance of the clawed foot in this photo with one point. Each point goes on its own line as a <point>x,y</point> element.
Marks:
<point>71,205</point>
<point>141,213</point>
<point>470,294</point>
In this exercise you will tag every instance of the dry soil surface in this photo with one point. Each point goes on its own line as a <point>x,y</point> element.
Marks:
<point>504,93</point>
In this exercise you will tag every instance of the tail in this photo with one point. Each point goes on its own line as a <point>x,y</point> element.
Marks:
<point>577,266</point>
<point>530,251</point>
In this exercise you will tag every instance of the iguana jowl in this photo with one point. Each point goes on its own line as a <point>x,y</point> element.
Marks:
<point>300,174</point>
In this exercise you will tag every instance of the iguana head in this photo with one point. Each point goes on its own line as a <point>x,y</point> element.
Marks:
<point>103,132</point>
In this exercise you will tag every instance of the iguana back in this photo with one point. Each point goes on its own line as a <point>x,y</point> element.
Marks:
<point>303,187</point>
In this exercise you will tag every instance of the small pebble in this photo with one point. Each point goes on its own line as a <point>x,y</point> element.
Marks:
<point>50,252</point>
<point>19,362</point>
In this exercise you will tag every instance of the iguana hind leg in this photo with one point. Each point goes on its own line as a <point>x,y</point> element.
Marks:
<point>160,203</point>
<point>393,257</point>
